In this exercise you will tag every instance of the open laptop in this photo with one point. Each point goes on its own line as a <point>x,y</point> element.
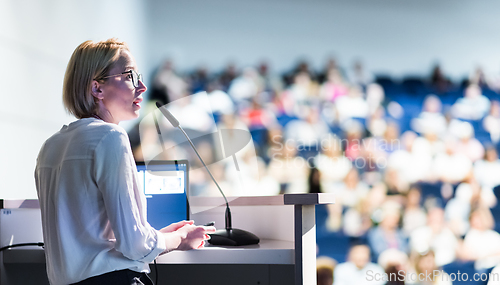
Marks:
<point>165,184</point>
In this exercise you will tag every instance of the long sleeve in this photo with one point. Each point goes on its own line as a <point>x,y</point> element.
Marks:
<point>115,174</point>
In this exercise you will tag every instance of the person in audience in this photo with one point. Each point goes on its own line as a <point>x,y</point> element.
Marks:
<point>491,122</point>
<point>354,133</point>
<point>473,106</point>
<point>290,170</point>
<point>376,199</point>
<point>427,272</point>
<point>269,83</point>
<point>184,108</point>
<point>357,220</point>
<point>414,215</point>
<point>468,196</point>
<point>375,96</point>
<point>314,184</point>
<point>395,264</point>
<point>302,91</point>
<point>376,122</point>
<point>302,66</point>
<point>481,243</point>
<point>411,162</point>
<point>452,166</point>
<point>220,102</point>
<point>307,133</point>
<point>467,144</point>
<point>436,236</point>
<point>372,159</point>
<point>274,143</point>
<point>331,162</point>
<point>359,76</point>
<point>335,86</point>
<point>331,63</point>
<point>358,270</point>
<point>227,76</point>
<point>429,144</point>
<point>258,120</point>
<point>351,190</point>
<point>168,86</point>
<point>245,86</point>
<point>325,266</point>
<point>439,81</point>
<point>397,186</point>
<point>352,106</point>
<point>478,77</point>
<point>431,118</point>
<point>486,170</point>
<point>388,234</point>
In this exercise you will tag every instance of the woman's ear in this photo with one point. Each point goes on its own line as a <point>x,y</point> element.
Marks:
<point>97,90</point>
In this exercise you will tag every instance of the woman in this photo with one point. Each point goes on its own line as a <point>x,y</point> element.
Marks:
<point>93,214</point>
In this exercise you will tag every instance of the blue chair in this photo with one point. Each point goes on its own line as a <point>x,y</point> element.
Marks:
<point>466,269</point>
<point>495,211</point>
<point>321,218</point>
<point>390,87</point>
<point>335,245</point>
<point>415,86</point>
<point>285,119</point>
<point>431,190</point>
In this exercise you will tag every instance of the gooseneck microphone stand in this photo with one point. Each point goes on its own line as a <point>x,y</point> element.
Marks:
<point>227,236</point>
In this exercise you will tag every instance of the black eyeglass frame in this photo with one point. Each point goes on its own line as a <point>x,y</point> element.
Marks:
<point>135,77</point>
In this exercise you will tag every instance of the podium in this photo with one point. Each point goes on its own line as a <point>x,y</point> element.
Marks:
<point>286,253</point>
<point>285,225</point>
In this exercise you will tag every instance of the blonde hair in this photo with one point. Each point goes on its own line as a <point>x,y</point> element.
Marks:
<point>90,61</point>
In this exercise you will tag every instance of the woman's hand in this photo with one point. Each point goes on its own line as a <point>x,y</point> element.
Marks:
<point>175,226</point>
<point>185,235</point>
<point>193,237</point>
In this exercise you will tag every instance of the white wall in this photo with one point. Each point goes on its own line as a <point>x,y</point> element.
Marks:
<point>37,39</point>
<point>391,36</point>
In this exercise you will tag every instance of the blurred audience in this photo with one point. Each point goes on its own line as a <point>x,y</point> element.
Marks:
<point>435,236</point>
<point>413,174</point>
<point>481,243</point>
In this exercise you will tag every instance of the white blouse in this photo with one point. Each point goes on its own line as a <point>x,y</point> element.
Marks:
<point>93,213</point>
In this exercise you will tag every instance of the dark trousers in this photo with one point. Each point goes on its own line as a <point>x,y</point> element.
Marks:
<point>121,277</point>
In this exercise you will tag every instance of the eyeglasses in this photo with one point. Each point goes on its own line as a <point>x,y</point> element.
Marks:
<point>134,75</point>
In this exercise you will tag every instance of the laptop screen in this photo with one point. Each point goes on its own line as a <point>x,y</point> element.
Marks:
<point>165,184</point>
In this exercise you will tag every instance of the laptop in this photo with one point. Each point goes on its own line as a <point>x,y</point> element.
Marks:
<point>165,184</point>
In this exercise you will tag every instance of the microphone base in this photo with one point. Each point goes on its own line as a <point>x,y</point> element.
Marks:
<point>233,237</point>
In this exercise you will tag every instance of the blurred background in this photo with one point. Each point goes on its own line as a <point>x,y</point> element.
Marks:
<point>391,105</point>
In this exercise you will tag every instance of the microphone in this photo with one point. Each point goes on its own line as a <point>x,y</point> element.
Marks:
<point>227,236</point>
